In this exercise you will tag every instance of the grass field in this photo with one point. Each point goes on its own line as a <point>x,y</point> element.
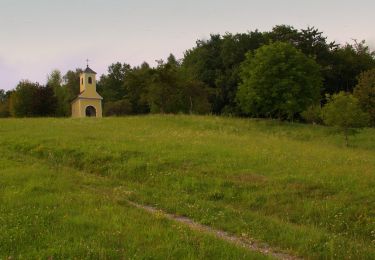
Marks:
<point>64,184</point>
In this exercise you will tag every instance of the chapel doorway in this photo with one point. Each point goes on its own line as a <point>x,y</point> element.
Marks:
<point>90,111</point>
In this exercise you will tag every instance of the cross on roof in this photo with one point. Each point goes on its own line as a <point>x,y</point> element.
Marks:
<point>87,61</point>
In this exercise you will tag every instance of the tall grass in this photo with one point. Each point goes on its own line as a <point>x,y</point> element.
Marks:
<point>60,213</point>
<point>294,186</point>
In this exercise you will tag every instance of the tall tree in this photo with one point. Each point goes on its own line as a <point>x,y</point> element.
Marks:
<point>312,43</point>
<point>111,86</point>
<point>284,33</point>
<point>348,62</point>
<point>216,62</point>
<point>71,82</point>
<point>172,90</point>
<point>194,97</point>
<point>45,101</point>
<point>278,81</point>
<point>61,93</point>
<point>136,83</point>
<point>163,89</point>
<point>54,79</point>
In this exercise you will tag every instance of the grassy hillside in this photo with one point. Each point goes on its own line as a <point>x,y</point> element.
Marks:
<point>65,184</point>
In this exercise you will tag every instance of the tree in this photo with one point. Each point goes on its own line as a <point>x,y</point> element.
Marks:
<point>46,102</point>
<point>136,83</point>
<point>343,112</point>
<point>348,62</point>
<point>22,100</point>
<point>278,81</point>
<point>61,93</point>
<point>4,103</point>
<point>111,86</point>
<point>172,90</point>
<point>216,61</point>
<point>284,33</point>
<point>71,82</point>
<point>31,99</point>
<point>313,44</point>
<point>65,89</point>
<point>163,90</point>
<point>54,79</point>
<point>194,97</point>
<point>365,93</point>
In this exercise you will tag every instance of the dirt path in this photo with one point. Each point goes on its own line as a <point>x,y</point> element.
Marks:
<point>250,245</point>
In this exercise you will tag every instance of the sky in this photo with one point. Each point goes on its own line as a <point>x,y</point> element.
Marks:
<point>39,36</point>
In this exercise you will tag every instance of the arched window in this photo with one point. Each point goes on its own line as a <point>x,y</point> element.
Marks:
<point>90,80</point>
<point>82,81</point>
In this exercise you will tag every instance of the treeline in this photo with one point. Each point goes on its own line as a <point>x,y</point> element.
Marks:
<point>283,73</point>
<point>30,99</point>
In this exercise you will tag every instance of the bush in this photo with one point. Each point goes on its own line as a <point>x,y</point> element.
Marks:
<point>343,111</point>
<point>365,92</point>
<point>313,115</point>
<point>118,108</point>
<point>4,110</point>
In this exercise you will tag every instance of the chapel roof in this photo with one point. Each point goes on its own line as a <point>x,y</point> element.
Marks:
<point>88,70</point>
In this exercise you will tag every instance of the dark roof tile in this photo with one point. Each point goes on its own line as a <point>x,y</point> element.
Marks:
<point>88,70</point>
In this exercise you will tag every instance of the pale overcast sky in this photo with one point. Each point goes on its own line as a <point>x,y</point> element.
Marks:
<point>41,35</point>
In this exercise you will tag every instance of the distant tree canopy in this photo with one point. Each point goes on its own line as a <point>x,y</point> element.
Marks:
<point>347,63</point>
<point>216,63</point>
<point>208,77</point>
<point>164,89</point>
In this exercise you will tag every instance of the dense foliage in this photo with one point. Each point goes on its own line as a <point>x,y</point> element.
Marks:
<point>31,99</point>
<point>278,81</point>
<point>206,80</point>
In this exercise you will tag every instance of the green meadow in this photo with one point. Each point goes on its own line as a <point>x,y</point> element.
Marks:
<point>65,186</point>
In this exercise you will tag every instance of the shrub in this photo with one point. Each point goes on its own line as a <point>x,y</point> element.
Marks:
<point>313,115</point>
<point>365,92</point>
<point>118,108</point>
<point>343,111</point>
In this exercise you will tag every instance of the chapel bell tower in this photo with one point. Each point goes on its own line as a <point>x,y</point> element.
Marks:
<point>88,103</point>
<point>88,80</point>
